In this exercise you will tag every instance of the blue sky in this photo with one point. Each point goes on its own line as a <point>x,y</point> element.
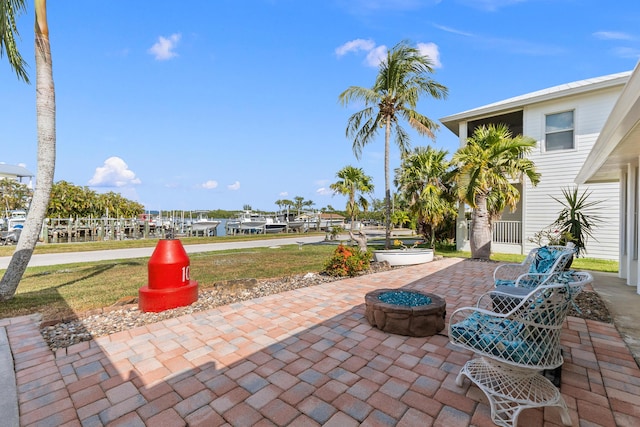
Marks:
<point>223,103</point>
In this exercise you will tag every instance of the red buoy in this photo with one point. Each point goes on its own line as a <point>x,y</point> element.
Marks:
<point>170,284</point>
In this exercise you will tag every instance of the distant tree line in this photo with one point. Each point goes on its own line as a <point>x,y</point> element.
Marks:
<point>70,201</point>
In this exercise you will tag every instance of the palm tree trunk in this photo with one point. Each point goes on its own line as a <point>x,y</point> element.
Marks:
<point>46,124</point>
<point>387,185</point>
<point>352,203</point>
<point>480,230</point>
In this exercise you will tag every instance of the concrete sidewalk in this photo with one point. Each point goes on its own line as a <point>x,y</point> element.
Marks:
<point>306,357</point>
<point>38,260</point>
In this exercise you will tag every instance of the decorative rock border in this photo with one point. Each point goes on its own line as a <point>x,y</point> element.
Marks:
<point>418,321</point>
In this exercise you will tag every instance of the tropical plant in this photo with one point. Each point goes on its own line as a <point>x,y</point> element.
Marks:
<point>401,245</point>
<point>299,203</point>
<point>68,200</point>
<point>353,182</point>
<point>550,236</point>
<point>347,262</point>
<point>402,78</point>
<point>15,194</point>
<point>423,180</point>
<point>376,210</point>
<point>577,218</point>
<point>46,131</point>
<point>400,217</point>
<point>485,170</point>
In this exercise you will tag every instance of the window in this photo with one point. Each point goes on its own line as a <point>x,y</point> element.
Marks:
<point>559,131</point>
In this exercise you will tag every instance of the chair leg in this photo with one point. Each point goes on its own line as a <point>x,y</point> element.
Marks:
<point>510,390</point>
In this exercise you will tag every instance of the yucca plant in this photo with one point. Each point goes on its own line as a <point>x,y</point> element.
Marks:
<point>578,217</point>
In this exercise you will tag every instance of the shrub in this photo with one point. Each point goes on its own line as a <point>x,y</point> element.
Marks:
<point>347,262</point>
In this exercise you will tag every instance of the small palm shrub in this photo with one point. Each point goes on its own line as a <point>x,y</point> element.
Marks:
<point>347,262</point>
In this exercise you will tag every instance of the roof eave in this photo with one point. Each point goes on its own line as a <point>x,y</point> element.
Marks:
<point>519,102</point>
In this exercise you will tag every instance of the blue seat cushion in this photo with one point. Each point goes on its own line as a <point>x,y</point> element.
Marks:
<point>500,338</point>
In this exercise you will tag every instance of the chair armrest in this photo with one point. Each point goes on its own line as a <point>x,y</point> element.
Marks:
<point>509,271</point>
<point>531,280</point>
<point>503,299</point>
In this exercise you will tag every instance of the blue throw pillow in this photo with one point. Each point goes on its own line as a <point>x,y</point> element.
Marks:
<point>544,260</point>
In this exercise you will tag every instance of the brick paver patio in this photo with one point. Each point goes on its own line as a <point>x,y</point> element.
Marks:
<point>306,357</point>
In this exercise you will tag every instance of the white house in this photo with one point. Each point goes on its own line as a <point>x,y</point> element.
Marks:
<point>565,121</point>
<point>15,172</point>
<point>614,158</point>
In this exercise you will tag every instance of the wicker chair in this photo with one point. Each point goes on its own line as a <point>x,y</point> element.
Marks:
<point>514,347</point>
<point>536,268</point>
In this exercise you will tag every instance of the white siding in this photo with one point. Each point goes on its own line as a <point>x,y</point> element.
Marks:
<point>558,169</point>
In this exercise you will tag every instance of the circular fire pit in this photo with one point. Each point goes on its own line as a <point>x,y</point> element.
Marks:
<point>405,312</point>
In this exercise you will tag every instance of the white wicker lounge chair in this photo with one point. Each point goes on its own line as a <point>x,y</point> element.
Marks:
<point>514,347</point>
<point>536,268</point>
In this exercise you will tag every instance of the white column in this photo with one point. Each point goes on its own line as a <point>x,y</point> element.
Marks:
<point>462,243</point>
<point>624,223</point>
<point>632,264</point>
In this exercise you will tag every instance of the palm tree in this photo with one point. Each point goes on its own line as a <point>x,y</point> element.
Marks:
<point>46,127</point>
<point>353,181</point>
<point>299,202</point>
<point>422,179</point>
<point>402,78</point>
<point>485,171</point>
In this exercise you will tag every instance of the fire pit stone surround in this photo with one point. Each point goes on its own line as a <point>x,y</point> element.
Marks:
<point>416,314</point>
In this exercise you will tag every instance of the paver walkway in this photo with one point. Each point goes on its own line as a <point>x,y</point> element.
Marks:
<point>306,357</point>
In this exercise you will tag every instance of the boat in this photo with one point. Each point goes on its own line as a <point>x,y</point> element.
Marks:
<point>16,220</point>
<point>275,225</point>
<point>204,225</point>
<point>318,221</point>
<point>12,226</point>
<point>247,222</point>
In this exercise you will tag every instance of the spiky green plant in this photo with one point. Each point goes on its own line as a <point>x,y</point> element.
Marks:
<point>578,217</point>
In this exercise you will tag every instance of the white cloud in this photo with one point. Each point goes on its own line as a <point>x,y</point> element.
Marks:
<point>453,30</point>
<point>323,191</point>
<point>209,185</point>
<point>612,35</point>
<point>163,49</point>
<point>284,194</point>
<point>234,186</point>
<point>354,46</point>
<point>627,52</point>
<point>114,173</point>
<point>376,56</point>
<point>430,50</point>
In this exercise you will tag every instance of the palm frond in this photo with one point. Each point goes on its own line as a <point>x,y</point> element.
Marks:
<point>9,10</point>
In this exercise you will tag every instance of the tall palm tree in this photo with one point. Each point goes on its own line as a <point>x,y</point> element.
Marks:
<point>299,202</point>
<point>46,126</point>
<point>353,182</point>
<point>402,78</point>
<point>423,181</point>
<point>486,169</point>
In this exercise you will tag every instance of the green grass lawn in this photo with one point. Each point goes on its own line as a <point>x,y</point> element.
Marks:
<point>60,291</point>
